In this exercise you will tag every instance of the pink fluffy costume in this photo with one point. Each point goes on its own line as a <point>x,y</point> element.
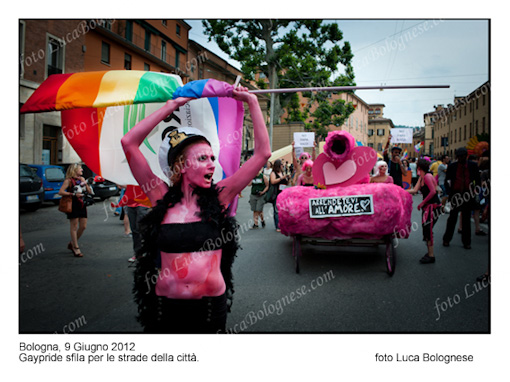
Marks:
<point>342,171</point>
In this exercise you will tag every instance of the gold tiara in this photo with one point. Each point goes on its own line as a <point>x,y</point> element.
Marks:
<point>176,138</point>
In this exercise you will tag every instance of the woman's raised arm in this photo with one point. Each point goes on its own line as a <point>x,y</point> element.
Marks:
<point>261,152</point>
<point>131,142</point>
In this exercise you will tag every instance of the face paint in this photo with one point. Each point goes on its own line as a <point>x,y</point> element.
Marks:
<point>199,165</point>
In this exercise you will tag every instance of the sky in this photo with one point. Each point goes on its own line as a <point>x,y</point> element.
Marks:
<point>408,52</point>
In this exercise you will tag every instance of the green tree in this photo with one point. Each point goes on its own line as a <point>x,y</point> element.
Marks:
<point>290,53</point>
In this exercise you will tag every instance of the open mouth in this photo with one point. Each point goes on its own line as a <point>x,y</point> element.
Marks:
<point>208,177</point>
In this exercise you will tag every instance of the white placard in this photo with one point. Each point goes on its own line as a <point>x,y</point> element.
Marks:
<point>304,139</point>
<point>401,135</point>
<point>336,206</point>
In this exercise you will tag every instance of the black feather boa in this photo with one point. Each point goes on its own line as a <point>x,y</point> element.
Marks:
<point>148,259</point>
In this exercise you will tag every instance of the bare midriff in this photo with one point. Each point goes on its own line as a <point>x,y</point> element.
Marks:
<point>190,275</point>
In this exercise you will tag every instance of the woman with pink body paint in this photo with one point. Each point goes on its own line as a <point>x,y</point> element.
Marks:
<point>183,281</point>
<point>427,185</point>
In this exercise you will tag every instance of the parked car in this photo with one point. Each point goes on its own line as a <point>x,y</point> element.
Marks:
<point>102,188</point>
<point>52,177</point>
<point>31,190</point>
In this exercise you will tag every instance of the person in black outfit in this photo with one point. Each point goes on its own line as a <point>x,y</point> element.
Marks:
<point>461,179</point>
<point>395,167</point>
<point>427,185</point>
<point>75,185</point>
<point>277,179</point>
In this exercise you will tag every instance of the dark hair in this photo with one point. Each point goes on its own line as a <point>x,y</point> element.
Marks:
<point>461,151</point>
<point>277,165</point>
<point>423,165</point>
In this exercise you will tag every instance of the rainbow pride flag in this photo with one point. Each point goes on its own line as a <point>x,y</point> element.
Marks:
<point>116,88</point>
<point>419,146</point>
<point>98,108</point>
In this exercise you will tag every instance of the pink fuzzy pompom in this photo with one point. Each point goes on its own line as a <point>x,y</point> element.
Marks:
<point>338,145</point>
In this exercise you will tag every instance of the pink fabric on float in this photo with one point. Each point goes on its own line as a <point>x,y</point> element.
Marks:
<point>392,213</point>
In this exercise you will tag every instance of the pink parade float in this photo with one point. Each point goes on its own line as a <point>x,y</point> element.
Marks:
<point>344,208</point>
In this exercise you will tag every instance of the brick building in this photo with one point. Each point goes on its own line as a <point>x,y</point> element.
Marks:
<point>69,46</point>
<point>46,47</point>
<point>453,126</point>
<point>151,45</point>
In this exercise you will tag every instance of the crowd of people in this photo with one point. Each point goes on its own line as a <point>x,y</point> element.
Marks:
<point>454,188</point>
<point>273,178</point>
<point>192,210</point>
<point>458,188</point>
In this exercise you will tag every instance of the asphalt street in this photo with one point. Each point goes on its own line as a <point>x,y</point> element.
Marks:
<point>338,289</point>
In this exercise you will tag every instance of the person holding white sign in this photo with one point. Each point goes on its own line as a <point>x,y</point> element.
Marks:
<point>298,163</point>
<point>395,166</point>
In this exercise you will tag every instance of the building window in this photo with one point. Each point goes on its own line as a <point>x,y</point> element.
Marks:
<point>370,145</point>
<point>129,30</point>
<point>147,45</point>
<point>127,61</point>
<point>55,56</point>
<point>146,67</point>
<point>370,132</point>
<point>380,132</point>
<point>163,22</point>
<point>177,59</point>
<point>483,125</point>
<point>465,132</point>
<point>50,144</point>
<point>178,30</point>
<point>163,50</point>
<point>105,53</point>
<point>379,147</point>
